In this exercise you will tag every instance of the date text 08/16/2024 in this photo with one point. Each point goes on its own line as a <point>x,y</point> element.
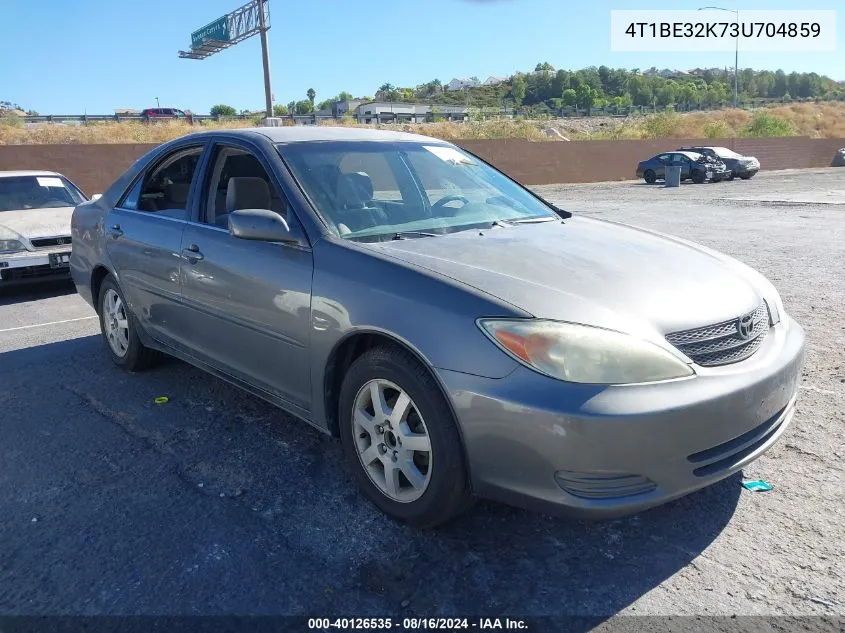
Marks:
<point>416,624</point>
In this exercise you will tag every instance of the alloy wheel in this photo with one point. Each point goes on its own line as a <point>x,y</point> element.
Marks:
<point>392,440</point>
<point>115,323</point>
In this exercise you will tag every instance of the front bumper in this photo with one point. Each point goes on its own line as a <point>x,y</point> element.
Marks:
<point>601,452</point>
<point>29,266</point>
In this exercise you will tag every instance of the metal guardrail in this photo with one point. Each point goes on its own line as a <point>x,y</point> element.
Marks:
<point>474,113</point>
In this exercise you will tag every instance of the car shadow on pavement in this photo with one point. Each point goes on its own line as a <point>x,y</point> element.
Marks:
<point>22,293</point>
<point>242,491</point>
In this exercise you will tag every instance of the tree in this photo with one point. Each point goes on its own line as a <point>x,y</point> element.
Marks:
<point>569,97</point>
<point>222,109</point>
<point>311,94</point>
<point>280,110</point>
<point>304,107</point>
<point>518,88</point>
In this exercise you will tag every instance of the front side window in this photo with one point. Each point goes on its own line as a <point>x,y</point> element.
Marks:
<point>19,193</point>
<point>165,187</point>
<point>238,180</point>
<point>371,191</point>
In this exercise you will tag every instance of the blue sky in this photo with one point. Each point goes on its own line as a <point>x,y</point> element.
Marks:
<point>72,56</point>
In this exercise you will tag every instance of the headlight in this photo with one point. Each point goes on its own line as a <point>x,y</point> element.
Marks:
<point>583,354</point>
<point>10,246</point>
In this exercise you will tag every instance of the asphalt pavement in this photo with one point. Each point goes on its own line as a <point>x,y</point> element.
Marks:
<point>217,503</point>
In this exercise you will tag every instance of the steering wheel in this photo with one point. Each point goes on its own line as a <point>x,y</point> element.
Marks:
<point>440,204</point>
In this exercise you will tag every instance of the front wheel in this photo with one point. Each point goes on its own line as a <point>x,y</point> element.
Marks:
<point>699,177</point>
<point>119,329</point>
<point>401,439</point>
<point>746,176</point>
<point>650,176</point>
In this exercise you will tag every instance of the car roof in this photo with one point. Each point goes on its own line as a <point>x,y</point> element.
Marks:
<point>11,174</point>
<point>300,133</point>
<point>686,153</point>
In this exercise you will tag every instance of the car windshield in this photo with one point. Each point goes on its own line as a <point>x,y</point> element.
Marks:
<point>37,192</point>
<point>724,152</point>
<point>374,190</point>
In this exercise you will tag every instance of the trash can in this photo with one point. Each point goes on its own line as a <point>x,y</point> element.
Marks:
<point>673,176</point>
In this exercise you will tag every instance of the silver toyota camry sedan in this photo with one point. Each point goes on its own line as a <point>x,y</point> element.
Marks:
<point>461,336</point>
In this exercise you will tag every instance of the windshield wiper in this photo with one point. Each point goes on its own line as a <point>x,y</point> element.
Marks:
<point>403,235</point>
<point>539,220</point>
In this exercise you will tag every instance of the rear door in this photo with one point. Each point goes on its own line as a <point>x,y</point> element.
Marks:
<point>249,302</point>
<point>144,238</point>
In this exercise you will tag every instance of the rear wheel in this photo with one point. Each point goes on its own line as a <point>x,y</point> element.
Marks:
<point>731,176</point>
<point>698,177</point>
<point>650,177</point>
<point>401,439</point>
<point>119,328</point>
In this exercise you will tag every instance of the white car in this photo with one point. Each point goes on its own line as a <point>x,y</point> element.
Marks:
<point>35,212</point>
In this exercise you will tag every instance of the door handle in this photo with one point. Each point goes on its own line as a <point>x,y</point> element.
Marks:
<point>115,231</point>
<point>192,253</point>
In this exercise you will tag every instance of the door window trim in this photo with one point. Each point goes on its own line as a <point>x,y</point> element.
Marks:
<point>154,164</point>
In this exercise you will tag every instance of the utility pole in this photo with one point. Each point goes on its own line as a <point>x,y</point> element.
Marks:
<point>158,105</point>
<point>736,61</point>
<point>265,57</point>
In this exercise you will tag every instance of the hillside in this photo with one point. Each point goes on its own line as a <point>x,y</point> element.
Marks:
<point>822,120</point>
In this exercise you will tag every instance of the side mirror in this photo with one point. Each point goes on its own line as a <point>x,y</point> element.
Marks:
<point>261,225</point>
<point>96,197</point>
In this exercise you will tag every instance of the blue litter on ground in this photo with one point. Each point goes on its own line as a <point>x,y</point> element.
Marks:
<point>757,486</point>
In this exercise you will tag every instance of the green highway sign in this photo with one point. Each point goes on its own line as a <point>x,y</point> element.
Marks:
<point>217,30</point>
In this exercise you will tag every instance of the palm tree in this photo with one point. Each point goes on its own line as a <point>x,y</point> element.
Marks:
<point>311,94</point>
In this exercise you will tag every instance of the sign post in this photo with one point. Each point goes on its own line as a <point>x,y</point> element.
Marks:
<point>226,31</point>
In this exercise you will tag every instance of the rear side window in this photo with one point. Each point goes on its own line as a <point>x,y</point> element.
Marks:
<point>164,188</point>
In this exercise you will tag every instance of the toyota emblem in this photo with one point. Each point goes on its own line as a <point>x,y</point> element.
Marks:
<point>745,326</point>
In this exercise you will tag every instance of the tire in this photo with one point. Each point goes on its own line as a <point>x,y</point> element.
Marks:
<point>731,176</point>
<point>746,176</point>
<point>441,489</point>
<point>699,177</point>
<point>111,305</point>
<point>649,176</point>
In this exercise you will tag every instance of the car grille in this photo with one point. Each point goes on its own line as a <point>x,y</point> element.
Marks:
<point>46,242</point>
<point>723,343</point>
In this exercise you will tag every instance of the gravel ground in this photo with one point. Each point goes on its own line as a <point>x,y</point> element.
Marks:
<point>216,503</point>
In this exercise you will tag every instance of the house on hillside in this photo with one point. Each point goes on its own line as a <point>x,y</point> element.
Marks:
<point>492,80</point>
<point>462,84</point>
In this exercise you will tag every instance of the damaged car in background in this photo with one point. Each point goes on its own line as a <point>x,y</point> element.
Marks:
<point>35,213</point>
<point>744,167</point>
<point>694,166</point>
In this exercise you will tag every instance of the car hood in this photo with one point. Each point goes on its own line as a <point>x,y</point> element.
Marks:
<point>590,271</point>
<point>30,223</point>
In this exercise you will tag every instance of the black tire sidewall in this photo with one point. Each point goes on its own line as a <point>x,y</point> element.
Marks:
<point>447,493</point>
<point>650,177</point>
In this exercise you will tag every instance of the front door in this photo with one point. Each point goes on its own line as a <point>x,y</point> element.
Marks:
<point>250,301</point>
<point>144,239</point>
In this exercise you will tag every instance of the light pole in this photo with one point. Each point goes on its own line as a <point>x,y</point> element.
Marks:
<point>158,105</point>
<point>736,62</point>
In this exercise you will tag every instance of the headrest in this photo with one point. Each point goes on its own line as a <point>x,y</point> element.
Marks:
<point>354,190</point>
<point>178,192</point>
<point>247,193</point>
